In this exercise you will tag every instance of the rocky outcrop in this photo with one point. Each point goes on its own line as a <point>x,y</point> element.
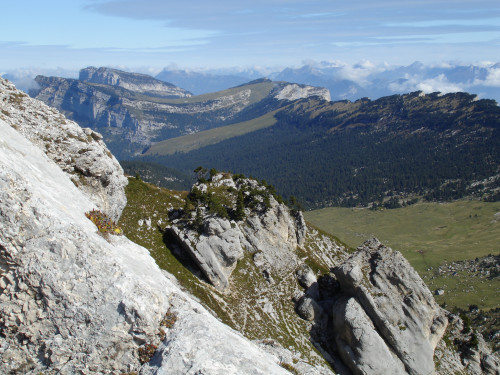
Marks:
<point>464,351</point>
<point>293,91</point>
<point>80,153</point>
<point>359,344</point>
<point>132,81</point>
<point>270,233</point>
<point>396,303</point>
<point>76,301</point>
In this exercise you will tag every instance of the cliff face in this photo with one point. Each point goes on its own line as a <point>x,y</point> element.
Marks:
<point>80,153</point>
<point>271,232</point>
<point>132,81</point>
<point>133,110</point>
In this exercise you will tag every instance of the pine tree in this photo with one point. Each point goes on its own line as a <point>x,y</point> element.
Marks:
<point>239,213</point>
<point>198,220</point>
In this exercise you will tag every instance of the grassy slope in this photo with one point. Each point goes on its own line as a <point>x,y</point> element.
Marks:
<point>428,235</point>
<point>209,137</point>
<point>259,91</point>
<point>243,307</point>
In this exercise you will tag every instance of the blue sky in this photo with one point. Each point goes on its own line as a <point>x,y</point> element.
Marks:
<point>71,34</point>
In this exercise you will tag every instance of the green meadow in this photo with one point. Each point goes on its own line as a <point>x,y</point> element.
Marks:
<point>194,141</point>
<point>429,235</point>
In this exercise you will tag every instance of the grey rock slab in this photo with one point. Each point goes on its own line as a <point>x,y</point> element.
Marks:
<point>397,301</point>
<point>359,344</point>
<point>80,153</point>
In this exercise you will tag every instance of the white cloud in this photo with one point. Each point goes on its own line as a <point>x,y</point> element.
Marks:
<point>492,79</point>
<point>360,72</point>
<point>437,84</point>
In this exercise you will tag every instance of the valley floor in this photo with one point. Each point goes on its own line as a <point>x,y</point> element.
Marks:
<point>453,246</point>
<point>433,237</point>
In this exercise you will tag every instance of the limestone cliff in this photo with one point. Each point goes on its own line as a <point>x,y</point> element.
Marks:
<point>134,110</point>
<point>80,153</point>
<point>132,81</point>
<point>264,228</point>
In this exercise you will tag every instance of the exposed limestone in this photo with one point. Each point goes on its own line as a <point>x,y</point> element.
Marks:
<point>358,343</point>
<point>305,276</point>
<point>132,81</point>
<point>76,302</point>
<point>270,233</point>
<point>293,91</point>
<point>80,153</point>
<point>398,303</point>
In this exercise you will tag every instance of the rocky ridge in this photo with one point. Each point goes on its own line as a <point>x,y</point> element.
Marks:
<point>142,110</point>
<point>295,92</point>
<point>132,81</point>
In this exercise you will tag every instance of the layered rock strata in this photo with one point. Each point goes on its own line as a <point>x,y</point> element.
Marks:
<point>132,81</point>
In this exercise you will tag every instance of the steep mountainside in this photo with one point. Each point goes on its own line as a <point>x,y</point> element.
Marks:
<point>131,112</point>
<point>76,296</point>
<point>345,153</point>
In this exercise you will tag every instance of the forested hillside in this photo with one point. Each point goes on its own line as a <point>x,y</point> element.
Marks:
<point>343,153</point>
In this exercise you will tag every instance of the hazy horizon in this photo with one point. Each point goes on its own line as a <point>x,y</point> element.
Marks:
<point>152,34</point>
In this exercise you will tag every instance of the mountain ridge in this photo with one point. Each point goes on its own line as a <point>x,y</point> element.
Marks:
<point>131,120</point>
<point>78,296</point>
<point>402,145</point>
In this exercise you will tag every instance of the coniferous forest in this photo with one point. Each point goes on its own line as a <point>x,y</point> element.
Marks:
<point>439,147</point>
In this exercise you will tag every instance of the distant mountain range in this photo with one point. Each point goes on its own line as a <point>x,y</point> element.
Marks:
<point>345,81</point>
<point>134,110</point>
<point>353,82</point>
<point>322,152</point>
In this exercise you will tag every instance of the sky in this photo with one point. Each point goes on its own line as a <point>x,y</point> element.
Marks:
<point>71,34</point>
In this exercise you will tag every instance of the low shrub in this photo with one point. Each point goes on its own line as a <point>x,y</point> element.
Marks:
<point>146,352</point>
<point>103,223</point>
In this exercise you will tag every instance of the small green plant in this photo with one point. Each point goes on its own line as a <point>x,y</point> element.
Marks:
<point>289,367</point>
<point>474,341</point>
<point>467,322</point>
<point>146,352</point>
<point>103,223</point>
<point>239,213</point>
